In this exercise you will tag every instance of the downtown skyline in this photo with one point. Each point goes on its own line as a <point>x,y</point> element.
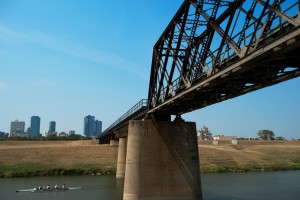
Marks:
<point>37,123</point>
<point>95,57</point>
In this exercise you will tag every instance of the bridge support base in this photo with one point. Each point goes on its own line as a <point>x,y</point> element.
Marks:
<point>113,143</point>
<point>121,158</point>
<point>162,161</point>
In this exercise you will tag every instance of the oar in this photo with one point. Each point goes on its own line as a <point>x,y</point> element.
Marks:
<point>75,188</point>
<point>29,190</point>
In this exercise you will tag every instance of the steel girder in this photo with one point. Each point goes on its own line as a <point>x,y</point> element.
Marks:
<point>206,38</point>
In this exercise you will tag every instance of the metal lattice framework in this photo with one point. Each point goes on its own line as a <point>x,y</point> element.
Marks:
<point>215,50</point>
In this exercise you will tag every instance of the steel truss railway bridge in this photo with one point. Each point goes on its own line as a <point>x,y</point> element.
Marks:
<point>211,51</point>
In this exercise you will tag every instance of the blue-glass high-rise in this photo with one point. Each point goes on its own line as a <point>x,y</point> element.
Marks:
<point>52,126</point>
<point>98,128</point>
<point>91,126</point>
<point>35,127</point>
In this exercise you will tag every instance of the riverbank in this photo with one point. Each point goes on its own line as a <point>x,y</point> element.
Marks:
<point>254,155</point>
<point>42,158</point>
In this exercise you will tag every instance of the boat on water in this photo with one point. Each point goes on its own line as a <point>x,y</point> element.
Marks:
<point>49,190</point>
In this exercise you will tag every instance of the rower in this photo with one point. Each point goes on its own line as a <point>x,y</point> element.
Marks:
<point>48,187</point>
<point>40,187</point>
<point>56,186</point>
<point>64,187</point>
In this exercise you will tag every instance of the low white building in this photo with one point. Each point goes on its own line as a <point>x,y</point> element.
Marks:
<point>223,137</point>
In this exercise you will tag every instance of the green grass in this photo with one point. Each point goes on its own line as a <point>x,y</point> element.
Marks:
<point>278,165</point>
<point>35,169</point>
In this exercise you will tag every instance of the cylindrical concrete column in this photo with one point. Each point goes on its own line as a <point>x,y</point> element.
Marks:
<point>121,158</point>
<point>162,161</point>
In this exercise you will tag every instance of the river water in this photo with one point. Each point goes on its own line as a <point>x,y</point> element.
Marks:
<point>228,186</point>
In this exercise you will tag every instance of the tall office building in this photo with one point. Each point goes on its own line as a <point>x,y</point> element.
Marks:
<point>88,127</point>
<point>98,128</point>
<point>52,126</point>
<point>17,128</point>
<point>35,127</point>
<point>91,126</point>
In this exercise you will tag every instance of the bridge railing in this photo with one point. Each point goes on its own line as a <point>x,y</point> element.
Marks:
<point>137,110</point>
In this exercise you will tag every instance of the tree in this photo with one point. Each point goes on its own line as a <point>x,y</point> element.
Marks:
<point>266,134</point>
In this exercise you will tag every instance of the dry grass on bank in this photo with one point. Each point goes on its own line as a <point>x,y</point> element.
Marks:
<point>64,153</point>
<point>249,156</point>
<point>51,155</point>
<point>19,158</point>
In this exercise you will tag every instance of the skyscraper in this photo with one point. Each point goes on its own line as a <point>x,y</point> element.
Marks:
<point>89,126</point>
<point>52,126</point>
<point>98,128</point>
<point>35,127</point>
<point>17,128</point>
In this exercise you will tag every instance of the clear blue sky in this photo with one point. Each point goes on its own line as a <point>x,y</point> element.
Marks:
<point>64,60</point>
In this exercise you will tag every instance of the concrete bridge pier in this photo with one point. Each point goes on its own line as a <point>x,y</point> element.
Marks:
<point>113,143</point>
<point>162,161</point>
<point>121,158</point>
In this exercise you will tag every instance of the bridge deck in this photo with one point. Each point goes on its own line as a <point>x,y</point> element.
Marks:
<point>136,112</point>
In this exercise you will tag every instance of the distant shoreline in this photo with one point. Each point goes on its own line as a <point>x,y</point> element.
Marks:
<point>56,158</point>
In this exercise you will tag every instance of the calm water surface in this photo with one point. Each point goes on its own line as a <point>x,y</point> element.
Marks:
<point>228,186</point>
<point>95,188</point>
<point>252,186</point>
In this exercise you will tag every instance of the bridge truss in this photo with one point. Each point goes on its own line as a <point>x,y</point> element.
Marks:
<point>215,50</point>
